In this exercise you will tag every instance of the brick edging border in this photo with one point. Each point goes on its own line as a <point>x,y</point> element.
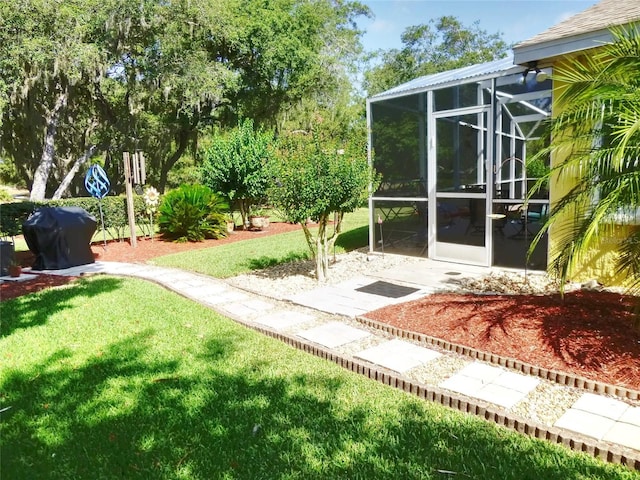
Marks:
<point>602,450</point>
<point>561,378</point>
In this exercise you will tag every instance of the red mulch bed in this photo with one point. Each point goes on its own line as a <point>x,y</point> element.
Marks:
<point>123,252</point>
<point>590,334</point>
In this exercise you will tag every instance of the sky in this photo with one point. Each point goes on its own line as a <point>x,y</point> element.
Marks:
<point>517,20</point>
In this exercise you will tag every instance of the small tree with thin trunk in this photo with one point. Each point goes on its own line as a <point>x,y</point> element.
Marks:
<point>320,181</point>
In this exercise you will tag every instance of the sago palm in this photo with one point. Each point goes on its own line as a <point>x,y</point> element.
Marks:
<point>597,134</point>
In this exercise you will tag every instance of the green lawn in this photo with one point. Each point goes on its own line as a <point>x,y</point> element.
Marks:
<point>241,257</point>
<point>118,378</point>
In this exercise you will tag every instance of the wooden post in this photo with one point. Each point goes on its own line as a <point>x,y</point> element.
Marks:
<point>128,181</point>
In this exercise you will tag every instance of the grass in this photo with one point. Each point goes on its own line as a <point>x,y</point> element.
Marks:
<point>241,257</point>
<point>118,378</point>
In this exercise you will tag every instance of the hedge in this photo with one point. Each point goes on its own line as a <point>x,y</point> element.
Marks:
<point>114,209</point>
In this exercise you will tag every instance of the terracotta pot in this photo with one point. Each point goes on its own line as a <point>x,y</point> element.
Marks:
<point>15,271</point>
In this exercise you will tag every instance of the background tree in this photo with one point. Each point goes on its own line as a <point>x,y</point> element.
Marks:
<point>596,137</point>
<point>319,179</point>
<point>152,75</point>
<point>47,62</point>
<point>437,46</point>
<point>236,164</point>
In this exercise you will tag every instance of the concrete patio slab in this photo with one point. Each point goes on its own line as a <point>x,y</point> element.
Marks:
<point>79,270</point>
<point>344,299</point>
<point>22,278</point>
<point>432,274</point>
<point>333,334</point>
<point>283,320</point>
<point>398,355</point>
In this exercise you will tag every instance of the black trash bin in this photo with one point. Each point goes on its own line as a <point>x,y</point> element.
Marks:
<point>7,254</point>
<point>60,237</point>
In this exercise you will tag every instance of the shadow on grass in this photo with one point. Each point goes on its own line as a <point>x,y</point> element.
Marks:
<point>300,263</point>
<point>126,413</point>
<point>354,238</point>
<point>34,310</point>
<point>267,262</point>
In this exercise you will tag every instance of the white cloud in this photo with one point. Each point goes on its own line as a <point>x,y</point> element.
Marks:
<point>381,26</point>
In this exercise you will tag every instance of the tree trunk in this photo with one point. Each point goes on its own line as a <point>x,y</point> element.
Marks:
<point>243,205</point>
<point>183,141</point>
<point>320,272</point>
<point>324,244</point>
<point>309,238</point>
<point>41,175</point>
<point>66,181</point>
<point>322,257</point>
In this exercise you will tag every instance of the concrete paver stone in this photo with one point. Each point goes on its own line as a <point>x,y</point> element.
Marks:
<point>500,395</point>
<point>599,405</point>
<point>398,355</point>
<point>491,384</point>
<point>223,297</point>
<point>249,308</point>
<point>281,320</point>
<point>631,416</point>
<point>206,290</point>
<point>518,382</point>
<point>481,371</point>
<point>624,434</point>
<point>586,423</point>
<point>462,384</point>
<point>333,334</point>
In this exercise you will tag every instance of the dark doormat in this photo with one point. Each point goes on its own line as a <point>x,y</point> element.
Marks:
<point>386,289</point>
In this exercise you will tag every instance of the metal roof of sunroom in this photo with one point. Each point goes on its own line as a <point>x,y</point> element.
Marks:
<point>482,71</point>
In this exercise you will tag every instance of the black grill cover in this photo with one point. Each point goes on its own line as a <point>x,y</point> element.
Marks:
<point>60,237</point>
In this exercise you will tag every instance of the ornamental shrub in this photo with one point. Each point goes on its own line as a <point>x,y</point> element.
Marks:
<point>192,213</point>
<point>236,165</point>
<point>114,209</point>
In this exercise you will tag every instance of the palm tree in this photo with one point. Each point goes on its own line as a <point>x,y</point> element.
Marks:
<point>597,134</point>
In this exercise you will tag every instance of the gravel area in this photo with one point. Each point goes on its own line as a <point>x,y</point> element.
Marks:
<point>547,403</point>
<point>282,281</point>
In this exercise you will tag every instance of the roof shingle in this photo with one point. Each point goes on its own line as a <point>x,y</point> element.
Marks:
<point>601,16</point>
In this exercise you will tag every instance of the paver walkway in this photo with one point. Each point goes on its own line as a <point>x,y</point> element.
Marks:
<point>596,416</point>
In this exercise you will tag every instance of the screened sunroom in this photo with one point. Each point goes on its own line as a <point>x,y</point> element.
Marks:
<point>454,151</point>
